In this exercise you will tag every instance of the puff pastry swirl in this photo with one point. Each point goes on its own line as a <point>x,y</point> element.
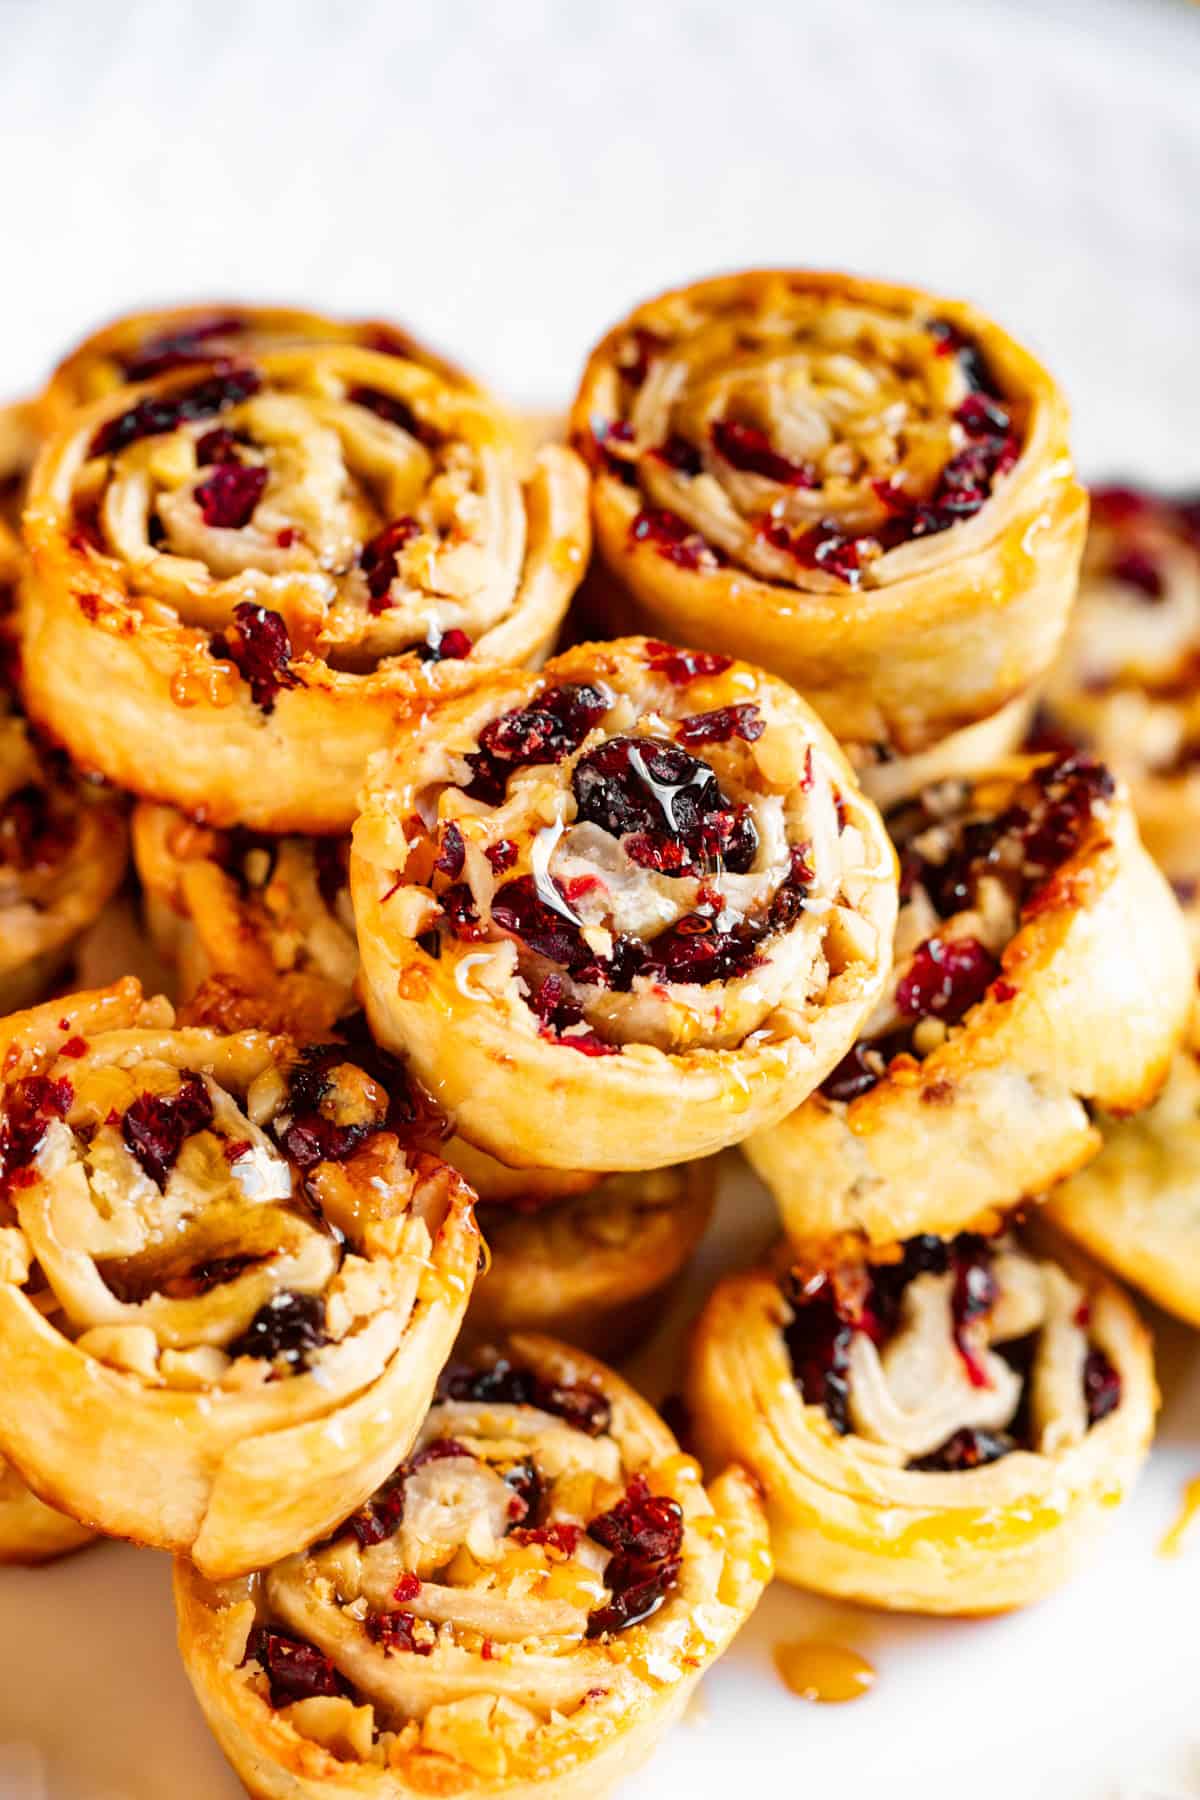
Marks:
<point>585,1257</point>
<point>861,487</point>
<point>1041,968</point>
<point>1125,687</point>
<point>945,1433</point>
<point>139,346</point>
<point>232,563</point>
<point>228,1287</point>
<point>269,916</point>
<point>522,1609</point>
<point>622,912</point>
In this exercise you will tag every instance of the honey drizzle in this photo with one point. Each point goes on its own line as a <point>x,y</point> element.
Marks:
<point>1175,1541</point>
<point>829,1674</point>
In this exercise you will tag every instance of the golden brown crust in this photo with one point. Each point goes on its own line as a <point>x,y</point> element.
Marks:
<point>622,1067</point>
<point>1089,999</point>
<point>270,917</point>
<point>850,1517</point>
<point>592,1266</point>
<point>493,1706</point>
<point>199,1361</point>
<point>136,346</point>
<point>192,627</point>
<point>31,1532</point>
<point>1136,1208</point>
<point>941,630</point>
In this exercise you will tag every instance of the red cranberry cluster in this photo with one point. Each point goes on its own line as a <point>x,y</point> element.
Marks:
<point>176,349</point>
<point>644,1533</point>
<point>157,1126</point>
<point>151,417</point>
<point>260,649</point>
<point>962,489</point>
<point>827,1311</point>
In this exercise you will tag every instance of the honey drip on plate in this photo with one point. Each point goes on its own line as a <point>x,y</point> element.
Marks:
<point>1176,1539</point>
<point>827,1673</point>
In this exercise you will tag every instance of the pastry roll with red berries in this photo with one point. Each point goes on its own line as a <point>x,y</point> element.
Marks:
<point>523,1608</point>
<point>623,912</point>
<point>1126,687</point>
<point>1136,1208</point>
<point>141,346</point>
<point>585,1257</point>
<point>242,574</point>
<point>944,1430</point>
<point>229,1276</point>
<point>858,486</point>
<point>62,856</point>
<point>1041,969</point>
<point>270,916</point>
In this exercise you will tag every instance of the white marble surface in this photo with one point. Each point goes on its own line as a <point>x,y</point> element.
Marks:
<point>509,178</point>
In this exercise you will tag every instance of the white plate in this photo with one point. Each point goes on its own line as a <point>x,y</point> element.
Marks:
<point>510,179</point>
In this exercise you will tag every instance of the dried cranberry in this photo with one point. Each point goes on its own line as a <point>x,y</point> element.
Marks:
<point>288,1328</point>
<point>504,1383</point>
<point>307,1133</point>
<point>665,803</point>
<point>682,666</point>
<point>156,1126</point>
<point>501,855</point>
<point>679,454</point>
<point>523,1478</point>
<point>672,537</point>
<point>377,558</point>
<point>549,728</point>
<point>560,1014</point>
<point>219,445</point>
<point>30,1106</point>
<point>854,1075</point>
<point>407,1588</point>
<point>461,914</point>
<point>382,1513</point>
<point>396,1631</point>
<point>747,448</point>
<point>451,646</point>
<point>972,1298</point>
<point>818,1340</point>
<point>168,350</point>
<point>396,412</point>
<point>261,652</point>
<point>452,852</point>
<point>547,928</point>
<point>945,979</point>
<point>967,1449</point>
<point>227,498</point>
<point>151,417</point>
<point>952,341</point>
<point>644,1532</point>
<point>717,727</point>
<point>1138,569</point>
<point>823,546</point>
<point>1101,1386</point>
<point>294,1669</point>
<point>1073,786</point>
<point>561,1536</point>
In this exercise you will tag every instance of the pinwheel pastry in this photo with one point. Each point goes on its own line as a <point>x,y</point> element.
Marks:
<point>229,1276</point>
<point>270,915</point>
<point>586,1257</point>
<point>888,779</point>
<point>523,1608</point>
<point>1137,1206</point>
<point>62,856</point>
<point>856,485</point>
<point>140,346</point>
<point>1041,969</point>
<point>1127,685</point>
<point>620,913</point>
<point>947,1431</point>
<point>234,565</point>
